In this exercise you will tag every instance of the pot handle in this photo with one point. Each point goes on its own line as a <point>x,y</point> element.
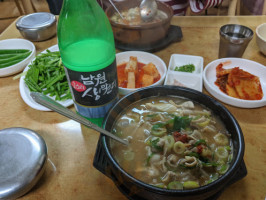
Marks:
<point>241,173</point>
<point>100,161</point>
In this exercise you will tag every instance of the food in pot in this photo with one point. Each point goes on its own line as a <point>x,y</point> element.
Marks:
<point>174,143</point>
<point>238,83</point>
<point>132,17</point>
<point>134,74</point>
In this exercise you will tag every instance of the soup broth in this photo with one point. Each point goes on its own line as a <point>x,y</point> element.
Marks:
<point>174,143</point>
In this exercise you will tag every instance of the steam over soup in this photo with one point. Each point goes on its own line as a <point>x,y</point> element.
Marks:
<point>174,143</point>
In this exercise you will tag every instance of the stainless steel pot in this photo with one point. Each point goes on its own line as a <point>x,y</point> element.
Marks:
<point>37,26</point>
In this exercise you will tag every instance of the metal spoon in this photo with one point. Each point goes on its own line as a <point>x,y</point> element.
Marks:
<point>116,9</point>
<point>53,105</point>
<point>148,9</point>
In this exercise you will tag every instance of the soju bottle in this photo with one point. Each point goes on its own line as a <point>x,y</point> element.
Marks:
<point>87,49</point>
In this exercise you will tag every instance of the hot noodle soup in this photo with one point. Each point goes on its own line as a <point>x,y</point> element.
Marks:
<point>174,143</point>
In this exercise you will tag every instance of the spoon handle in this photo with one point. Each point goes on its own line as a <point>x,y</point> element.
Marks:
<point>53,105</point>
<point>111,2</point>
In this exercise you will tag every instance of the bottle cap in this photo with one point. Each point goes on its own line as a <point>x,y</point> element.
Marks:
<point>23,156</point>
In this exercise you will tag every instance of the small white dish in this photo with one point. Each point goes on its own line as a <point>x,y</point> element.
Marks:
<point>261,37</point>
<point>17,44</point>
<point>257,69</point>
<point>145,58</point>
<point>185,79</point>
<point>25,92</point>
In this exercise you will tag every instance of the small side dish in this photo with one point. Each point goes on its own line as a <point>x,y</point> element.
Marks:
<point>239,68</point>
<point>134,74</point>
<point>10,57</point>
<point>45,74</point>
<point>238,83</point>
<point>152,74</point>
<point>15,54</point>
<point>185,71</point>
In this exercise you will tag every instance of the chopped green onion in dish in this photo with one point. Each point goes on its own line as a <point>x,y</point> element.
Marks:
<point>46,75</point>
<point>185,68</point>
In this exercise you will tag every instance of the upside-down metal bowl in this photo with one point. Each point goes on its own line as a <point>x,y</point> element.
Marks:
<point>37,26</point>
<point>136,189</point>
<point>139,35</point>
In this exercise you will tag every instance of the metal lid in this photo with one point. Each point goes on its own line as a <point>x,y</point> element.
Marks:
<point>36,20</point>
<point>23,155</point>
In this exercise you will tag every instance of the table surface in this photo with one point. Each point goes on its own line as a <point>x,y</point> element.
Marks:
<point>69,173</point>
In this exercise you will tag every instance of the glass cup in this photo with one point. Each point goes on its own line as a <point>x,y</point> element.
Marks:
<point>234,40</point>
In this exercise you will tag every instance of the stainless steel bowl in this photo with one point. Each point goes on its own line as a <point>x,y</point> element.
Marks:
<point>37,26</point>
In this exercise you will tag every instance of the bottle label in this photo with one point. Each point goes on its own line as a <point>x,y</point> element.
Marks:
<point>93,92</point>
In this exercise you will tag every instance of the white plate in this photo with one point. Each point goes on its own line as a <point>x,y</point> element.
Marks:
<point>17,44</point>
<point>185,79</point>
<point>209,77</point>
<point>25,92</point>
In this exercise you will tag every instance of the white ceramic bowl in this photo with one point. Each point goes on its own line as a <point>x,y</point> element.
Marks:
<point>261,37</point>
<point>257,69</point>
<point>17,44</point>
<point>144,58</point>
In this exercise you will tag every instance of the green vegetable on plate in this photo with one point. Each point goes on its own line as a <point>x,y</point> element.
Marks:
<point>46,75</point>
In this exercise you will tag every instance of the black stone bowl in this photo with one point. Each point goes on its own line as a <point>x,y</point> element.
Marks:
<point>136,189</point>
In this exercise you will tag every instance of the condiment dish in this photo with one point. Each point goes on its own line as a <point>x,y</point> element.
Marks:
<point>17,44</point>
<point>261,37</point>
<point>145,58</point>
<point>257,69</point>
<point>185,78</point>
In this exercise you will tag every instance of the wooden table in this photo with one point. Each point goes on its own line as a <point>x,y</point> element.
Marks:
<point>70,174</point>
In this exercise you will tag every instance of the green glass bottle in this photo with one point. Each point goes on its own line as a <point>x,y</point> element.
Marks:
<point>87,49</point>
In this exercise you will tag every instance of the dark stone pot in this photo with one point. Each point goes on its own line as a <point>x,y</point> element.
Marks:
<point>135,189</point>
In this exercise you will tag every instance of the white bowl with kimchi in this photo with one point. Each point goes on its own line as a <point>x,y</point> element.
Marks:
<point>139,69</point>
<point>237,82</point>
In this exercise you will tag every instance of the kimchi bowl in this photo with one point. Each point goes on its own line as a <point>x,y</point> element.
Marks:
<point>138,34</point>
<point>139,189</point>
<point>142,59</point>
<point>254,68</point>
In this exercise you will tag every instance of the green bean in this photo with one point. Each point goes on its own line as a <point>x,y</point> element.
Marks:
<point>8,64</point>
<point>2,56</point>
<point>12,51</point>
<point>21,56</point>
